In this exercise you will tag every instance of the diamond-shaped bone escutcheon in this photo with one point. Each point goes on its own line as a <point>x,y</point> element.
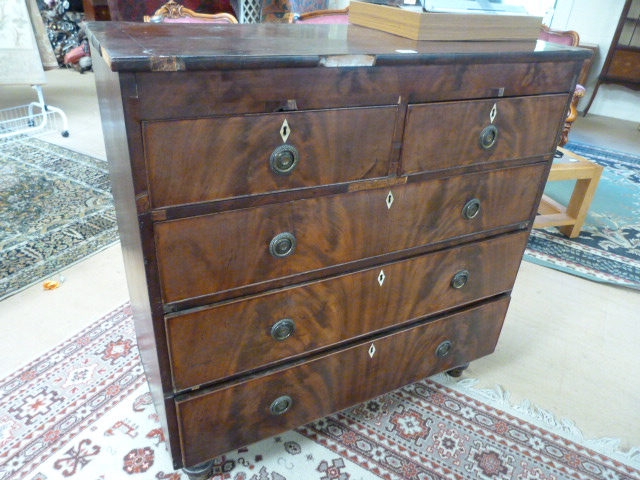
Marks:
<point>285,130</point>
<point>389,199</point>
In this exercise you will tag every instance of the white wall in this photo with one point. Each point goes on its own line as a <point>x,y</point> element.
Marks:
<point>596,22</point>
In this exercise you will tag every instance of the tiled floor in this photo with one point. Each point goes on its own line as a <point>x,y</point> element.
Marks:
<point>568,345</point>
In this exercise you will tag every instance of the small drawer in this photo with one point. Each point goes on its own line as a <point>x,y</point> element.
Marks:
<point>232,338</point>
<point>214,422</point>
<point>221,252</point>
<point>625,64</point>
<point>207,159</point>
<point>453,134</point>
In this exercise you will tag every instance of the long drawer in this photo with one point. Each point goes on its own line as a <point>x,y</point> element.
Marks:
<point>249,154</point>
<point>279,325</point>
<point>213,253</point>
<point>453,134</point>
<point>263,90</point>
<point>214,422</point>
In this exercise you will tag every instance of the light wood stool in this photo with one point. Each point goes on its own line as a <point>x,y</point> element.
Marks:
<point>570,218</point>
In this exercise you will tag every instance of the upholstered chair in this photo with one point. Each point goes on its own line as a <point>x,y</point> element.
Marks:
<point>173,12</point>
<point>572,39</point>
<point>322,16</point>
<point>136,10</point>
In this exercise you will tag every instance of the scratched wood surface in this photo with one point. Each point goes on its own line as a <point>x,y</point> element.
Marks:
<point>163,47</point>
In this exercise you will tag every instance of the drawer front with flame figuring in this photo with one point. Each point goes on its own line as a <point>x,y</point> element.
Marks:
<point>295,395</point>
<point>273,152</point>
<point>455,134</point>
<point>284,324</point>
<point>213,253</point>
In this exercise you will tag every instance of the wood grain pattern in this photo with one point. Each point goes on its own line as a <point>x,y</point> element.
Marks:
<point>445,135</point>
<point>625,64</point>
<point>329,311</point>
<point>212,423</point>
<point>197,212</point>
<point>178,95</point>
<point>203,255</point>
<point>216,162</point>
<point>190,47</point>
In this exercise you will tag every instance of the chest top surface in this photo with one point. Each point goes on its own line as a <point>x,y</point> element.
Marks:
<point>158,47</point>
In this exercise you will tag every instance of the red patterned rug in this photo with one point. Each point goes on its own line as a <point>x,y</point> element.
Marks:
<point>83,411</point>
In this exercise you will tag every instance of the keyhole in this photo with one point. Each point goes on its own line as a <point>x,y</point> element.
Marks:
<point>285,130</point>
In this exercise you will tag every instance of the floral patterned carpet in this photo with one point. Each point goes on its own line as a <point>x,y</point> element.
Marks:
<point>608,248</point>
<point>83,411</point>
<point>56,209</point>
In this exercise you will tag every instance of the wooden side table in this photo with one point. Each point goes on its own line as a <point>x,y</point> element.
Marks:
<point>570,218</point>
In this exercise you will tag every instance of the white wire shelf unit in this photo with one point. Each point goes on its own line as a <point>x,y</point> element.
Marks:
<point>34,119</point>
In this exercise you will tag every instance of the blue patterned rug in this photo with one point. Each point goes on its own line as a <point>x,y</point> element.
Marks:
<point>56,209</point>
<point>608,248</point>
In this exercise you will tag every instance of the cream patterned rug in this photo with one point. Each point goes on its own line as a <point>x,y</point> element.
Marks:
<point>83,411</point>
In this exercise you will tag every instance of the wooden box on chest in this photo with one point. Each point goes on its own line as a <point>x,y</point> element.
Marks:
<point>314,215</point>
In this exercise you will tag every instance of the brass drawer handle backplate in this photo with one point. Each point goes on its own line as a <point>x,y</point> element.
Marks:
<point>489,137</point>
<point>283,245</point>
<point>460,279</point>
<point>283,329</point>
<point>284,159</point>
<point>444,349</point>
<point>281,405</point>
<point>471,209</point>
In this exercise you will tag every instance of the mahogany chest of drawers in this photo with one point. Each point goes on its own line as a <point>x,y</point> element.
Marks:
<point>314,215</point>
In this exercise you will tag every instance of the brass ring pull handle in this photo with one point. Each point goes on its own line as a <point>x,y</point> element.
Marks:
<point>444,349</point>
<point>283,245</point>
<point>283,329</point>
<point>460,279</point>
<point>471,209</point>
<point>489,137</point>
<point>284,159</point>
<point>280,405</point>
